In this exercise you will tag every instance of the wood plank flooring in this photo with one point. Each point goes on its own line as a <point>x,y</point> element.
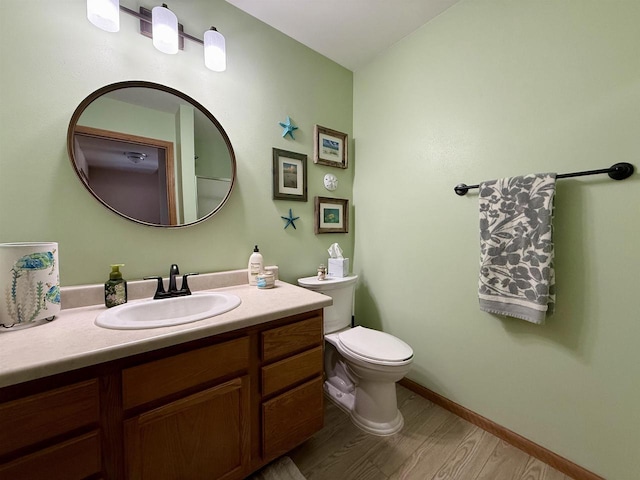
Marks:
<point>433,445</point>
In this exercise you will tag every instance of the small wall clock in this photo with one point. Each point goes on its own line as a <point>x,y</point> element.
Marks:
<point>330,182</point>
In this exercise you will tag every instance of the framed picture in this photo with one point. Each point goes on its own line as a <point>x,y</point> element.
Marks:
<point>330,147</point>
<point>289,175</point>
<point>332,215</point>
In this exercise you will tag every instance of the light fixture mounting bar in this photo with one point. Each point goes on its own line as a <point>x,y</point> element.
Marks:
<point>145,25</point>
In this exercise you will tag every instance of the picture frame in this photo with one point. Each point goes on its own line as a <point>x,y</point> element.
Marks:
<point>289,175</point>
<point>331,215</point>
<point>330,147</point>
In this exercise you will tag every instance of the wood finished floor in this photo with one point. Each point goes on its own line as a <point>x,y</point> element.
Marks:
<point>433,445</point>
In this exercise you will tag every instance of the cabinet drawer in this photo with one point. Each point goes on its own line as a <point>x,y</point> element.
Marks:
<point>291,418</point>
<point>291,370</point>
<point>292,338</point>
<point>154,380</point>
<point>32,419</point>
<point>74,459</point>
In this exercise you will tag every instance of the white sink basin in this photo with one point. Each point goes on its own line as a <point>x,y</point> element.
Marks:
<point>167,312</point>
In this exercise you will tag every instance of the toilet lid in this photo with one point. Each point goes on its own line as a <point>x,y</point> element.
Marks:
<point>375,345</point>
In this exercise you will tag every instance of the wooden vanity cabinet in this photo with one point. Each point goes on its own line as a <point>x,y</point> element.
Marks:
<point>216,408</point>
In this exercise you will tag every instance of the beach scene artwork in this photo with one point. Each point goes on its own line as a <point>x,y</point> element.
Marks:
<point>289,175</point>
<point>331,148</point>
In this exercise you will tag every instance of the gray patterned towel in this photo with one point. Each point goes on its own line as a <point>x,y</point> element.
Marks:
<point>516,247</point>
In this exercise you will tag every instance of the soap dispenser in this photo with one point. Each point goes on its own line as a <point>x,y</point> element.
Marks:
<point>115,289</point>
<point>255,266</point>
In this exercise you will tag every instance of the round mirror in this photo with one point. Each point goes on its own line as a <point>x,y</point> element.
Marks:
<point>151,154</point>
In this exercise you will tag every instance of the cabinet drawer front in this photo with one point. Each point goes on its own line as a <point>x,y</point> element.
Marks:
<point>292,338</point>
<point>28,420</point>
<point>74,459</point>
<point>291,418</point>
<point>291,370</point>
<point>154,380</point>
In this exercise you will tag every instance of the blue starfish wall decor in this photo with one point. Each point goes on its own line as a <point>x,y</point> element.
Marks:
<point>288,128</point>
<point>290,219</point>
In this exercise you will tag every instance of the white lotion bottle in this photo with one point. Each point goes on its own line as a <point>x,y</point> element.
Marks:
<point>255,266</point>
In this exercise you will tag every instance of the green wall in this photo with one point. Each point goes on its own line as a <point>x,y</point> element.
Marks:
<point>493,89</point>
<point>109,114</point>
<point>488,89</point>
<point>52,58</point>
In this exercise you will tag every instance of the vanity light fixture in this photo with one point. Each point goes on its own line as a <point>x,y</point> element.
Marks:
<point>104,14</point>
<point>215,53</point>
<point>164,27</point>
<point>161,24</point>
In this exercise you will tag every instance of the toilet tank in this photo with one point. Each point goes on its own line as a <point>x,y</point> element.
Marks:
<point>341,290</point>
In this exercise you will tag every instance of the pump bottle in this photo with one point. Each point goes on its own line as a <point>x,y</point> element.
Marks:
<point>115,289</point>
<point>255,266</point>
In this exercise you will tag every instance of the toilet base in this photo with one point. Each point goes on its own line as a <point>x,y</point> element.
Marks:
<point>380,429</point>
<point>346,402</point>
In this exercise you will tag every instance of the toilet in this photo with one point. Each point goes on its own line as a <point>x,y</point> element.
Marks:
<point>361,365</point>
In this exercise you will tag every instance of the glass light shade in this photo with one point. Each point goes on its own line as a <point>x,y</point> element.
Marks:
<point>164,28</point>
<point>104,14</point>
<point>215,54</point>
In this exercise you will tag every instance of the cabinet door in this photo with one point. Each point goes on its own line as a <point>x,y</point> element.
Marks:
<point>205,435</point>
<point>291,418</point>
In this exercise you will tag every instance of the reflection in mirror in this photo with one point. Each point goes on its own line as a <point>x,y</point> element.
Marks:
<point>151,154</point>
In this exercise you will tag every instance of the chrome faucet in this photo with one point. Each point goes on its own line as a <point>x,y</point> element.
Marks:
<point>173,289</point>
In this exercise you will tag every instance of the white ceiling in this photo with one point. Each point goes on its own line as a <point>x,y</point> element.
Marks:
<point>349,32</point>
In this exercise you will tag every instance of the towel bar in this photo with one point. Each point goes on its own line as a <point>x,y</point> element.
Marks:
<point>619,171</point>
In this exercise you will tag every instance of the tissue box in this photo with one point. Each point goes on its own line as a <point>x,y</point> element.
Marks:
<point>338,267</point>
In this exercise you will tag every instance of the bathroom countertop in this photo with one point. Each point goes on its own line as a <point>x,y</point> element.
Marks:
<point>72,340</point>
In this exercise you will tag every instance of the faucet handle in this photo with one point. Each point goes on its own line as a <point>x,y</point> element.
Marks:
<point>185,286</point>
<point>159,289</point>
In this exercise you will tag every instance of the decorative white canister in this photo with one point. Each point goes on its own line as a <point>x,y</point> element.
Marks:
<point>29,282</point>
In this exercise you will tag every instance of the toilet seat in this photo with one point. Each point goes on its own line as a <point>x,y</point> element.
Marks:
<point>374,346</point>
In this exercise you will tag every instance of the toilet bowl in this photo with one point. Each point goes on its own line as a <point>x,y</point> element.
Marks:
<point>361,365</point>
